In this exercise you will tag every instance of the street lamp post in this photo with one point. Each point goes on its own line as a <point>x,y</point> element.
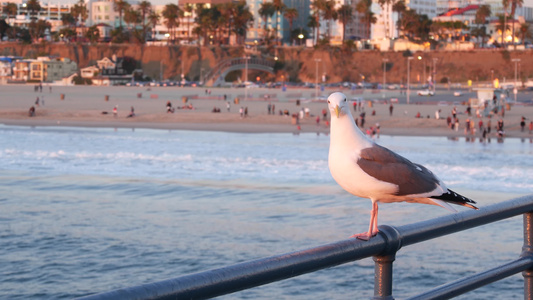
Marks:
<point>423,71</point>
<point>160,70</point>
<point>245,77</point>
<point>515,90</point>
<point>317,60</point>
<point>384,71</point>
<point>434,74</point>
<point>408,81</point>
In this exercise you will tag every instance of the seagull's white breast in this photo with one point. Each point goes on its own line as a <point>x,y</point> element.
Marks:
<point>345,147</point>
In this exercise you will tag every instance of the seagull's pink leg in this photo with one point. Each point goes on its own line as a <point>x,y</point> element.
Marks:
<point>373,227</point>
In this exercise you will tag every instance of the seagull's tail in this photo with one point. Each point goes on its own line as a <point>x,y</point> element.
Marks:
<point>454,198</point>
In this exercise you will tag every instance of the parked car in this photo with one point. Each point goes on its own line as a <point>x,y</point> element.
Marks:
<point>425,93</point>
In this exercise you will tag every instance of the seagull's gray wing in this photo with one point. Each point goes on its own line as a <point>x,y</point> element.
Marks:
<point>385,165</point>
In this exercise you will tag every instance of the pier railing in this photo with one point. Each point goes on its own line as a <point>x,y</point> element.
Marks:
<point>382,247</point>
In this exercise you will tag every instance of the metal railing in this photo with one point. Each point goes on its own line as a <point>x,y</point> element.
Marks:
<point>382,247</point>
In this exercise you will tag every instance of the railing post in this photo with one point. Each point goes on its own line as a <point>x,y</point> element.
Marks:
<point>383,263</point>
<point>383,277</point>
<point>527,250</point>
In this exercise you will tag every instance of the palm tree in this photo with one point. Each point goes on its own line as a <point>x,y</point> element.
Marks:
<point>399,8</point>
<point>330,13</point>
<point>68,20</point>
<point>279,8</point>
<point>153,19</point>
<point>188,9</point>
<point>345,14</point>
<point>291,14</point>
<point>505,4</point>
<point>227,13</point>
<point>132,16</point>
<point>482,13</point>
<point>93,34</point>
<point>10,9</point>
<point>120,6</point>
<point>146,9</point>
<point>79,11</point>
<point>33,7</point>
<point>502,26</point>
<point>514,5</point>
<point>171,13</point>
<point>242,18</point>
<point>368,18</point>
<point>266,11</point>
<point>317,7</point>
<point>524,32</point>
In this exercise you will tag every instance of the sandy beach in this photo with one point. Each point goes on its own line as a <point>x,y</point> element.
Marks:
<point>89,106</point>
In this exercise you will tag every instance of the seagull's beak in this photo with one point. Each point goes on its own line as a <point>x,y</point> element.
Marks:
<point>337,111</point>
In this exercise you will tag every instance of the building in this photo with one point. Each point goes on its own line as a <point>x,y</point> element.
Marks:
<point>21,70</point>
<point>55,69</point>
<point>102,12</point>
<point>49,11</point>
<point>6,68</point>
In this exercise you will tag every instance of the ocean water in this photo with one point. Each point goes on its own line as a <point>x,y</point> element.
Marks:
<point>87,210</point>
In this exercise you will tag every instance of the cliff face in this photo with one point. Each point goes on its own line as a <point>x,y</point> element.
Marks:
<point>299,63</point>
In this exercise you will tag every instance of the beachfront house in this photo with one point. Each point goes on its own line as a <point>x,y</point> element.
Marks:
<point>21,70</point>
<point>6,68</point>
<point>57,68</point>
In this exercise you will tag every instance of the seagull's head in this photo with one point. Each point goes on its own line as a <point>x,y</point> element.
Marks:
<point>338,104</point>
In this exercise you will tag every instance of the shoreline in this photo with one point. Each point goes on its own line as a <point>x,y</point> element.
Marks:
<point>83,106</point>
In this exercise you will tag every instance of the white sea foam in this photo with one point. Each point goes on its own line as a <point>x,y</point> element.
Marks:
<point>261,157</point>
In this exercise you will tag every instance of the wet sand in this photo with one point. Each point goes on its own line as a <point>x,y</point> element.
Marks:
<point>92,106</point>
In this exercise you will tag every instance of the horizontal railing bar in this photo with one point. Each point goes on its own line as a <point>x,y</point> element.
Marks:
<point>472,282</point>
<point>426,230</point>
<point>245,275</point>
<point>254,273</point>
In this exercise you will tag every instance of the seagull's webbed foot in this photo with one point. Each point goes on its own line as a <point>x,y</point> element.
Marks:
<point>365,236</point>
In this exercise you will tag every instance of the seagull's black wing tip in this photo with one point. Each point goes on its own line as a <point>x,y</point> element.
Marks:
<point>455,198</point>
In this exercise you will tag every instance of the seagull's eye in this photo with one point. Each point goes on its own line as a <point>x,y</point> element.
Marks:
<point>328,102</point>
<point>344,99</point>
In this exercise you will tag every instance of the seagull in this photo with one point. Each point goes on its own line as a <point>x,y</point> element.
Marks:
<point>368,170</point>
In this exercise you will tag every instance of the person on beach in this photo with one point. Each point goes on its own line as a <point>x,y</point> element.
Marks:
<point>530,127</point>
<point>391,108</point>
<point>132,113</point>
<point>31,112</point>
<point>37,102</point>
<point>454,112</point>
<point>522,124</point>
<point>488,126</point>
<point>228,106</point>
<point>472,128</point>
<point>115,111</point>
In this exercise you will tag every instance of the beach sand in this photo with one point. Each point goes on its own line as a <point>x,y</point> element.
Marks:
<point>90,106</point>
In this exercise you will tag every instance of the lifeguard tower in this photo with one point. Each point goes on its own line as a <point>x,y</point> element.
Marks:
<point>489,100</point>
